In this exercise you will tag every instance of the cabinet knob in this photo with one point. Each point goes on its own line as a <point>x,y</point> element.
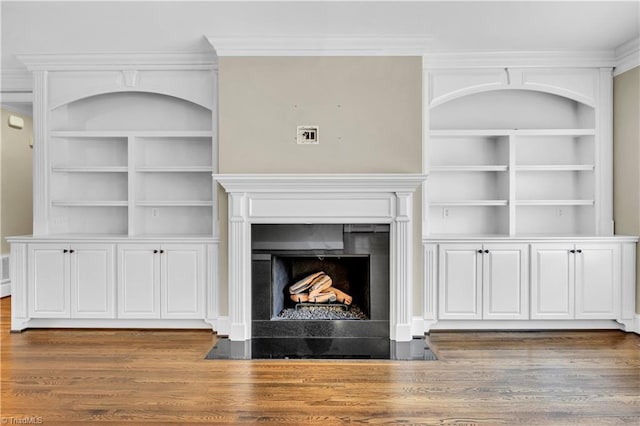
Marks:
<point>486,251</point>
<point>480,251</point>
<point>572,251</point>
<point>71,251</point>
<point>65,251</point>
<point>578,251</point>
<point>161,251</point>
<point>155,251</point>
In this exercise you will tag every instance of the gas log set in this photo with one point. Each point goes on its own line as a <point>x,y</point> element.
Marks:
<point>318,288</point>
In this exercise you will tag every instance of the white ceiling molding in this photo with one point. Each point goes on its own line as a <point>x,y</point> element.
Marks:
<point>320,45</point>
<point>627,56</point>
<point>92,61</point>
<point>16,80</point>
<point>491,59</point>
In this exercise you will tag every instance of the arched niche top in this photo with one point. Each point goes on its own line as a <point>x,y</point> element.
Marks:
<point>499,108</point>
<point>205,103</point>
<point>574,96</point>
<point>132,110</point>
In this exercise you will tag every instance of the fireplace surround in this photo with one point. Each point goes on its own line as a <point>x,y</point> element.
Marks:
<point>320,198</point>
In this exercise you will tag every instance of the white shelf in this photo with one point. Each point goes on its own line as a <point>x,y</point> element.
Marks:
<point>174,169</point>
<point>510,132</point>
<point>478,132</point>
<point>134,133</point>
<point>97,203</point>
<point>469,168</point>
<point>164,203</point>
<point>556,168</point>
<point>90,169</point>
<point>479,203</point>
<point>555,202</point>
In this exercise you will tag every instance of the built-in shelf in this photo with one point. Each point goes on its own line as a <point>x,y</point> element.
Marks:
<point>96,203</point>
<point>555,168</point>
<point>470,168</point>
<point>89,169</point>
<point>131,133</point>
<point>508,132</point>
<point>164,203</point>
<point>505,162</point>
<point>554,202</point>
<point>454,203</point>
<point>174,169</point>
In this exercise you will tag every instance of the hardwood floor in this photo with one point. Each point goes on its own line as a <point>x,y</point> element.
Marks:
<point>134,377</point>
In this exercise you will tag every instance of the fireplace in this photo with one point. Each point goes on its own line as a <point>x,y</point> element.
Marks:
<point>378,199</point>
<point>355,257</point>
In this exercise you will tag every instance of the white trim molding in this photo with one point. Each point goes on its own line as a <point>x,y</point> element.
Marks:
<point>627,56</point>
<point>320,45</point>
<point>520,59</point>
<point>301,198</point>
<point>106,61</point>
<point>16,80</point>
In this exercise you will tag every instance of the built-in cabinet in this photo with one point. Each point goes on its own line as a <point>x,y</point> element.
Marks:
<point>483,281</point>
<point>71,281</point>
<point>517,219</point>
<point>575,281</point>
<point>161,281</point>
<point>125,218</point>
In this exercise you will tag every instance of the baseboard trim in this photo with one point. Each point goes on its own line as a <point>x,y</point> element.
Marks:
<point>116,323</point>
<point>532,325</point>
<point>636,324</point>
<point>5,289</point>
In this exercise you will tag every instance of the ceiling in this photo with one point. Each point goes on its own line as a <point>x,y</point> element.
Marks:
<point>165,26</point>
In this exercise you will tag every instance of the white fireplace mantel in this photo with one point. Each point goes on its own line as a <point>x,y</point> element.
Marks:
<point>320,198</point>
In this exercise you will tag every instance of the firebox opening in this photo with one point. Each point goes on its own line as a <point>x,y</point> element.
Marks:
<point>348,277</point>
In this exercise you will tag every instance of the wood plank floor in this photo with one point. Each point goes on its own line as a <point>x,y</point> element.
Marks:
<point>160,377</point>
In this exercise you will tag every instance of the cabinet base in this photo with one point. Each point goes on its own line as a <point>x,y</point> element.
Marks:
<point>110,323</point>
<point>530,325</point>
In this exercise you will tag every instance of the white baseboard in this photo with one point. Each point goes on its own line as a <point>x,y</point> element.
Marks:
<point>5,289</point>
<point>636,324</point>
<point>5,281</point>
<point>222,326</point>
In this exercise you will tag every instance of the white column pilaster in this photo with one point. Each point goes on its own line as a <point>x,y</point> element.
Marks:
<point>239,268</point>
<point>402,269</point>
<point>40,153</point>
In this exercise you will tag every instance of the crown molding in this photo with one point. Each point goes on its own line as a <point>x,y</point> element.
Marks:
<point>319,45</point>
<point>16,80</point>
<point>102,61</point>
<point>627,56</point>
<point>531,59</point>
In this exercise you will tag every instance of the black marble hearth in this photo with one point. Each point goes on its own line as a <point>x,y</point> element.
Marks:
<point>322,348</point>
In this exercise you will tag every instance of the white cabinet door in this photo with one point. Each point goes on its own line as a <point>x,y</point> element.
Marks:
<point>92,281</point>
<point>505,282</point>
<point>182,278</point>
<point>138,281</point>
<point>552,281</point>
<point>459,283</point>
<point>597,281</point>
<point>48,278</point>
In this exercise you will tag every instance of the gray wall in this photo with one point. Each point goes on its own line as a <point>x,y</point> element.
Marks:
<point>369,110</point>
<point>626,159</point>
